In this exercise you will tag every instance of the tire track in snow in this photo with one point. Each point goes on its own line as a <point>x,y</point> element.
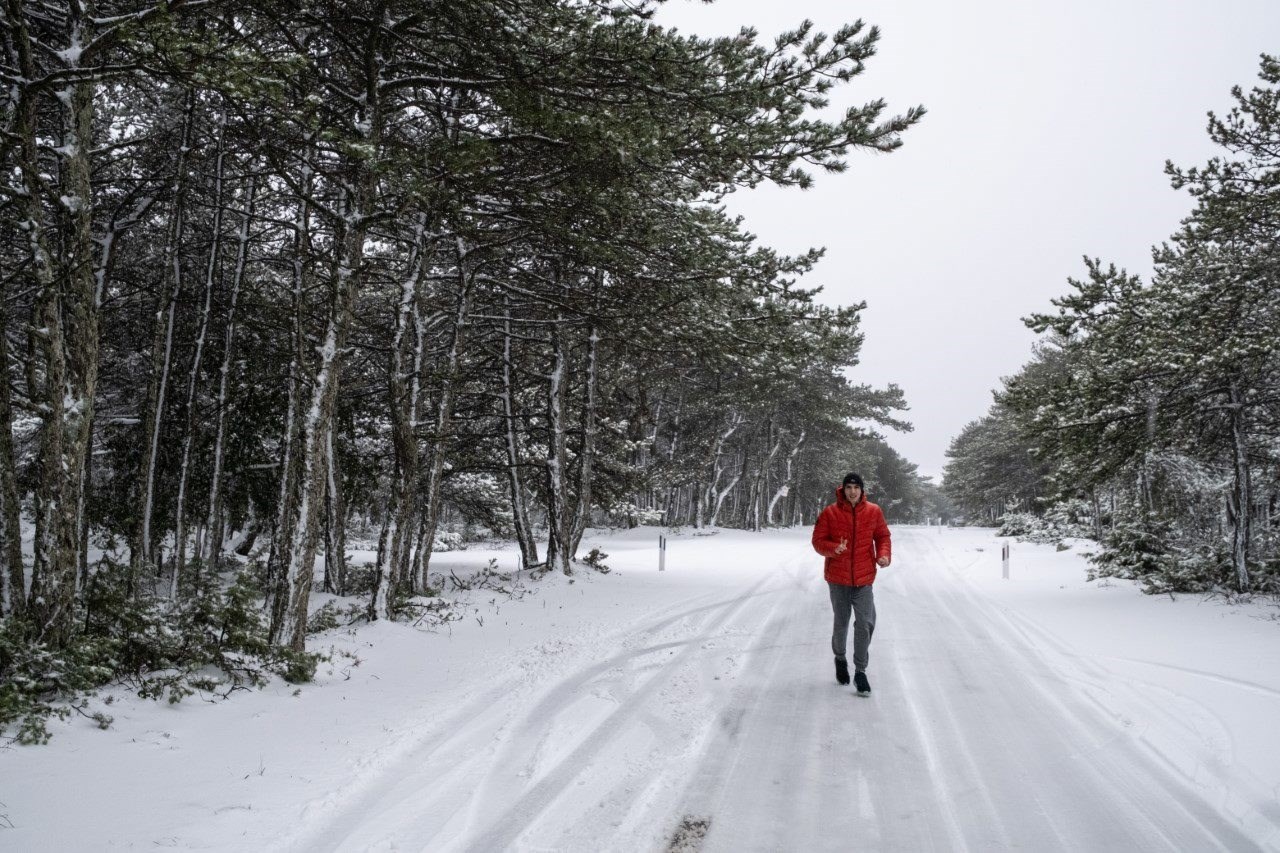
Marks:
<point>1079,748</point>
<point>430,769</point>
<point>532,804</point>
<point>747,748</point>
<point>1127,791</point>
<point>433,798</point>
<point>320,824</point>
<point>932,751</point>
<point>1243,684</point>
<point>978,691</point>
<point>1016,712</point>
<point>1121,700</point>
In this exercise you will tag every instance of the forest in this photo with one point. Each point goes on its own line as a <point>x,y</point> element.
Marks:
<point>1149,416</point>
<point>279,274</point>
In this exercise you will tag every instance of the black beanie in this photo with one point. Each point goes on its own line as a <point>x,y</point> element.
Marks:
<point>856,479</point>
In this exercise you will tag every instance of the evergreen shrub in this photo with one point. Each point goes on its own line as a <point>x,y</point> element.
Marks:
<point>1070,519</point>
<point>595,558</point>
<point>1137,547</point>
<point>1016,524</point>
<point>361,578</point>
<point>1266,575</point>
<point>212,640</point>
<point>1200,568</point>
<point>1165,558</point>
<point>330,616</point>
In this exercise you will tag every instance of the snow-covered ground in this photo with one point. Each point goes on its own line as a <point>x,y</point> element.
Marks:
<point>622,711</point>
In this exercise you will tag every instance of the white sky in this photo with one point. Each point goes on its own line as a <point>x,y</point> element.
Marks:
<point>1048,128</point>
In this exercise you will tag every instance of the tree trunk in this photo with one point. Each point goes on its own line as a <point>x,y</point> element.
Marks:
<point>444,416</point>
<point>65,334</point>
<point>297,564</point>
<point>712,494</point>
<point>1241,499</point>
<point>720,498</point>
<point>13,600</point>
<point>335,545</point>
<point>785,486</point>
<point>49,353</point>
<point>162,354</point>
<point>669,510</point>
<point>519,509</point>
<point>213,527</point>
<point>754,521</point>
<point>350,220</point>
<point>302,282</point>
<point>557,450</point>
<point>380,598</point>
<point>82,517</point>
<point>1097,514</point>
<point>402,404</point>
<point>586,455</point>
<point>197,359</point>
<point>409,403</point>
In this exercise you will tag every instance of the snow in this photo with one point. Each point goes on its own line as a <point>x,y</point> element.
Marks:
<point>605,712</point>
<point>70,56</point>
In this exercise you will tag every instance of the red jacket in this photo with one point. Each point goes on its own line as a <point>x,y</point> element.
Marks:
<point>863,528</point>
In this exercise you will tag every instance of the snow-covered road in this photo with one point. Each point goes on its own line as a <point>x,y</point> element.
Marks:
<point>722,714</point>
<point>696,710</point>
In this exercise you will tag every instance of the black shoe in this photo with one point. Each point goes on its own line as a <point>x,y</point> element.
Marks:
<point>842,671</point>
<point>860,681</point>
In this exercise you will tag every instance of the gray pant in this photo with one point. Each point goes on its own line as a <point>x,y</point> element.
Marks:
<point>862,602</point>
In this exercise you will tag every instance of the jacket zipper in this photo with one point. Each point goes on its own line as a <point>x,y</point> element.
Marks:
<point>853,547</point>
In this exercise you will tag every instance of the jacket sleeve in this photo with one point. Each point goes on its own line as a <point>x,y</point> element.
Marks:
<point>884,545</point>
<point>822,541</point>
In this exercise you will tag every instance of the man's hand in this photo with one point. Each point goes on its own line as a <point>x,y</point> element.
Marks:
<point>882,562</point>
<point>843,546</point>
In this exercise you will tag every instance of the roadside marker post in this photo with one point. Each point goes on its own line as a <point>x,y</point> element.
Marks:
<point>1004,560</point>
<point>662,553</point>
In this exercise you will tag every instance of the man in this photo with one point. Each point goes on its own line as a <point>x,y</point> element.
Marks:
<point>852,535</point>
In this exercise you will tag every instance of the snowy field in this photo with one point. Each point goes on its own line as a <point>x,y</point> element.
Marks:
<point>696,709</point>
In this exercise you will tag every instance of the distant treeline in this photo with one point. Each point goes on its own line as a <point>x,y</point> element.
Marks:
<point>1149,417</point>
